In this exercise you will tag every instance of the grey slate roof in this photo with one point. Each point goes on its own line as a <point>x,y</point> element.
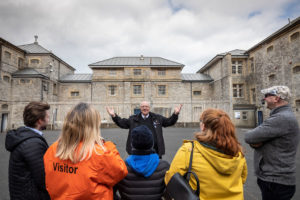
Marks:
<point>236,52</point>
<point>76,78</point>
<point>136,61</point>
<point>34,48</point>
<point>28,73</point>
<point>196,78</point>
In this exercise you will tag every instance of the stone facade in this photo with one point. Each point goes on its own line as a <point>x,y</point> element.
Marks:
<point>230,81</point>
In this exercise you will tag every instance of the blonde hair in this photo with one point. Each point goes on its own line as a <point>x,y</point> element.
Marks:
<point>81,125</point>
<point>219,131</point>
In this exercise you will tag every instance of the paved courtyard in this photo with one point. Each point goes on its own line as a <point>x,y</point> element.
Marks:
<point>173,140</point>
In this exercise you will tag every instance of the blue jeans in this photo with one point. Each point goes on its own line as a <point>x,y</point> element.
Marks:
<point>276,191</point>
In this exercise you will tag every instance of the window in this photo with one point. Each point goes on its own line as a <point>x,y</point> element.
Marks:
<point>54,88</point>
<point>197,93</point>
<point>166,112</point>
<point>6,78</point>
<point>237,90</point>
<point>161,72</point>
<point>112,72</point>
<point>237,115</point>
<point>137,72</point>
<point>112,90</point>
<point>161,90</point>
<point>137,89</point>
<point>296,69</point>
<point>7,55</point>
<point>294,36</point>
<point>20,62</point>
<point>24,81</point>
<point>34,61</point>
<point>75,94</point>
<point>244,115</point>
<point>270,49</point>
<point>297,102</point>
<point>4,107</point>
<point>237,67</point>
<point>272,77</point>
<point>253,94</point>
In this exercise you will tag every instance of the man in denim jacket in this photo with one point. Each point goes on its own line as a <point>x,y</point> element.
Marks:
<point>275,144</point>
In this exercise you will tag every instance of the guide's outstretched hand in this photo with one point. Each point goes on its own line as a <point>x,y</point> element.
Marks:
<point>110,111</point>
<point>177,109</point>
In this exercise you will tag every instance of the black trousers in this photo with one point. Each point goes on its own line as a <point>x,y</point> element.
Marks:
<point>276,191</point>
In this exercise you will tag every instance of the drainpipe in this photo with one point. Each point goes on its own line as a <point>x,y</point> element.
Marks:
<point>42,97</point>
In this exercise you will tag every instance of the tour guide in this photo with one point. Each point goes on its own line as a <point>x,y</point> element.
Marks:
<point>153,121</point>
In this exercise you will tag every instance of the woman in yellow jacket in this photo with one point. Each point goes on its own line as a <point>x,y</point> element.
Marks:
<point>80,165</point>
<point>218,159</point>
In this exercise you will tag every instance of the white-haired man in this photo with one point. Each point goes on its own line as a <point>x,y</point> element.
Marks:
<point>153,121</point>
<point>275,144</point>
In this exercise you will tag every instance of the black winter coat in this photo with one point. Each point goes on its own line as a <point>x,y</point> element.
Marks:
<point>135,186</point>
<point>158,122</point>
<point>26,165</point>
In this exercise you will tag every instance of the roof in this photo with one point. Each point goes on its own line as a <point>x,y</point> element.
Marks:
<point>76,78</point>
<point>287,27</point>
<point>196,78</point>
<point>28,73</point>
<point>5,42</point>
<point>237,53</point>
<point>136,61</point>
<point>34,48</point>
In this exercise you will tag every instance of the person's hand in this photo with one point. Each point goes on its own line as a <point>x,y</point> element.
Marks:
<point>177,109</point>
<point>256,145</point>
<point>110,111</point>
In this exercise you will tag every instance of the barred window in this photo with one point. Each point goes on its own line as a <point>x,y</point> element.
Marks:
<point>161,90</point>
<point>161,72</point>
<point>112,90</point>
<point>74,93</point>
<point>137,72</point>
<point>137,89</point>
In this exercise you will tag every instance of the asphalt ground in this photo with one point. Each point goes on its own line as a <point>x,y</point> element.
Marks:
<point>173,140</point>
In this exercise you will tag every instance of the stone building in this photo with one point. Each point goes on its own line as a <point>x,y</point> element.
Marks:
<point>240,75</point>
<point>230,81</point>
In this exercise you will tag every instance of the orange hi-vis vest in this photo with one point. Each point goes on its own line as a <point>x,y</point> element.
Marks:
<point>91,178</point>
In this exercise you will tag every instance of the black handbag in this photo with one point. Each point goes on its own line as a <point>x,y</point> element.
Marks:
<point>179,188</point>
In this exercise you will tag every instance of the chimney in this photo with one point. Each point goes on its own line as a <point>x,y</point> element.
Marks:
<point>142,57</point>
<point>35,38</point>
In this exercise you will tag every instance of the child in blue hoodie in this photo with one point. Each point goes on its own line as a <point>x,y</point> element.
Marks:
<point>146,172</point>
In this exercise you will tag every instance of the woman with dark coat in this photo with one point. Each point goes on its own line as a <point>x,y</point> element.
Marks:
<point>145,179</point>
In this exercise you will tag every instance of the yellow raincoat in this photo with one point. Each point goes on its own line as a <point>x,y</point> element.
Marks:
<point>221,176</point>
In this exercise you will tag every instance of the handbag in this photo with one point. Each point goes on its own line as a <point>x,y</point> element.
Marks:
<point>179,188</point>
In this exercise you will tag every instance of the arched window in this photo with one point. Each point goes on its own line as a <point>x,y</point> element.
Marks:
<point>4,107</point>
<point>6,78</point>
<point>295,36</point>
<point>34,61</point>
<point>296,69</point>
<point>270,49</point>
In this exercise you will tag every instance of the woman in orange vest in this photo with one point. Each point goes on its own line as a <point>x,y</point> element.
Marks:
<point>80,164</point>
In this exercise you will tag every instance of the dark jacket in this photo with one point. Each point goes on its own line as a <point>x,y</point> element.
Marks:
<point>275,160</point>
<point>26,166</point>
<point>135,186</point>
<point>158,122</point>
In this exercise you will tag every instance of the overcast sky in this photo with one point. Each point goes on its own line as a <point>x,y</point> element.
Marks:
<point>190,32</point>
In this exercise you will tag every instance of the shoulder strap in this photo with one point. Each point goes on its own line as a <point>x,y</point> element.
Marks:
<point>187,175</point>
